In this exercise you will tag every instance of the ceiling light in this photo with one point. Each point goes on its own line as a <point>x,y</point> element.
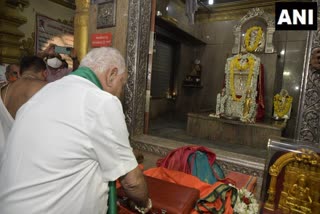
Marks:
<point>286,73</point>
<point>210,2</point>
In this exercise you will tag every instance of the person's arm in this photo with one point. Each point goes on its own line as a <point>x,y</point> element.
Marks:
<point>135,187</point>
<point>112,148</point>
<point>48,51</point>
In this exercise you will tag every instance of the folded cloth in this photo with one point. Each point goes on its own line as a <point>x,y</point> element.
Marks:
<point>166,197</point>
<point>224,195</point>
<point>201,168</point>
<point>243,181</point>
<point>177,159</point>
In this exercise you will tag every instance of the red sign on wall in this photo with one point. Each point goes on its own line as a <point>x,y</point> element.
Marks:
<point>101,40</point>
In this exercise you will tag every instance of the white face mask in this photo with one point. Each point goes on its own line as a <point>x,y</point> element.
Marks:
<point>54,62</point>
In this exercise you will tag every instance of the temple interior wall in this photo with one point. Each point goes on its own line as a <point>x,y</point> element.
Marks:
<point>119,31</point>
<point>176,10</point>
<point>56,11</point>
<point>280,70</point>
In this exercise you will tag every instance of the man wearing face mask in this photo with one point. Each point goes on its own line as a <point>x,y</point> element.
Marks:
<point>55,64</point>
<point>69,141</point>
<point>15,94</point>
<point>55,67</point>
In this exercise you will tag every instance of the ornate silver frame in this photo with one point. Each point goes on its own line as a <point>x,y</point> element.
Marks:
<point>253,13</point>
<point>308,120</point>
<point>104,19</point>
<point>137,61</point>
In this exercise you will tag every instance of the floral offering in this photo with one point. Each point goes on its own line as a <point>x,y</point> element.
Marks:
<point>246,203</point>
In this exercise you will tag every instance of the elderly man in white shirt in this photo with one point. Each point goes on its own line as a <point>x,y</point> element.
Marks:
<point>69,140</point>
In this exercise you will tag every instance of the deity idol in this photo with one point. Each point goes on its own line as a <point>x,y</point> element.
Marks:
<point>282,104</point>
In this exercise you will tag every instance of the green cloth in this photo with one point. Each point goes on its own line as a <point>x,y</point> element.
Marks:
<point>218,193</point>
<point>88,74</point>
<point>112,201</point>
<point>200,167</point>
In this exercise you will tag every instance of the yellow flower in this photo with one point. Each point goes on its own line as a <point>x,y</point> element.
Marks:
<point>281,109</point>
<point>247,38</point>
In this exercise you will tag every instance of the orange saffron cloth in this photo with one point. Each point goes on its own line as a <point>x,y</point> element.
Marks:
<point>193,182</point>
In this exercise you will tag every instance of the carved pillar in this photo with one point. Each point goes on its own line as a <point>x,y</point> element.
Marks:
<point>308,120</point>
<point>10,21</point>
<point>309,105</point>
<point>137,61</point>
<point>81,27</point>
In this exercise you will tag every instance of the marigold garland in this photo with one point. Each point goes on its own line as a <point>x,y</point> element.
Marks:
<point>252,47</point>
<point>240,67</point>
<point>281,109</point>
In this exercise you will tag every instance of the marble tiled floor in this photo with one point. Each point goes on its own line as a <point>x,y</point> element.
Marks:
<point>171,128</point>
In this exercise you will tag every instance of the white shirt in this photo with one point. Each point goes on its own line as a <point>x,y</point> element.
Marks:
<point>68,141</point>
<point>6,122</point>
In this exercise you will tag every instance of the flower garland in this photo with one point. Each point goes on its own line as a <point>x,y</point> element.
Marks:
<point>246,203</point>
<point>223,101</point>
<point>218,104</point>
<point>247,38</point>
<point>248,102</point>
<point>235,62</point>
<point>233,105</point>
<point>281,109</point>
